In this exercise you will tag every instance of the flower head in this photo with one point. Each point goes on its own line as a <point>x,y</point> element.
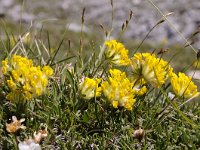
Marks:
<point>33,143</point>
<point>118,90</point>
<point>15,125</point>
<point>23,78</point>
<point>153,70</point>
<point>42,133</point>
<point>141,91</point>
<point>116,53</point>
<point>139,86</point>
<point>29,144</point>
<point>89,88</point>
<point>183,86</point>
<point>139,134</point>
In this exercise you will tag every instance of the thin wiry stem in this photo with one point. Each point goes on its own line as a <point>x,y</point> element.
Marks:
<point>171,24</point>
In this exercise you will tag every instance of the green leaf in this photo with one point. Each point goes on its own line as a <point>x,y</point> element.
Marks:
<point>86,117</point>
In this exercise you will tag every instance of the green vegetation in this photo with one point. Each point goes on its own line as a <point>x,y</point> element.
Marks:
<point>67,119</point>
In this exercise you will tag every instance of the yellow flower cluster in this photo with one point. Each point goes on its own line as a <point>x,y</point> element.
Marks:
<point>116,53</point>
<point>24,79</point>
<point>118,90</point>
<point>183,86</point>
<point>139,85</point>
<point>140,90</point>
<point>153,70</point>
<point>89,88</point>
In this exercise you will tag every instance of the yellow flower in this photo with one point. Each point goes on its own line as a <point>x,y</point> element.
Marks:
<point>19,62</point>
<point>10,96</point>
<point>139,86</point>
<point>48,71</point>
<point>153,70</point>
<point>11,84</point>
<point>183,86</point>
<point>116,53</point>
<point>118,90</point>
<point>16,75</point>
<point>24,79</point>
<point>15,125</point>
<point>28,95</point>
<point>142,90</point>
<point>89,88</point>
<point>197,64</point>
<point>5,66</point>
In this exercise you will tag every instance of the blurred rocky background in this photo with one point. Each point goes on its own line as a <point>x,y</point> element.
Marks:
<point>186,17</point>
<point>59,15</point>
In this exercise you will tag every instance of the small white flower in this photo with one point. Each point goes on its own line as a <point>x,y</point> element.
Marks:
<point>29,145</point>
<point>171,95</point>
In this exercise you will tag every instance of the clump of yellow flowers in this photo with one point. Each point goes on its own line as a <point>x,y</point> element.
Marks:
<point>23,78</point>
<point>152,70</point>
<point>89,88</point>
<point>146,68</point>
<point>119,90</point>
<point>183,86</point>
<point>116,53</point>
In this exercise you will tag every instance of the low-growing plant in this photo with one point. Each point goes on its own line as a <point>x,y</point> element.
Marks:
<point>105,100</point>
